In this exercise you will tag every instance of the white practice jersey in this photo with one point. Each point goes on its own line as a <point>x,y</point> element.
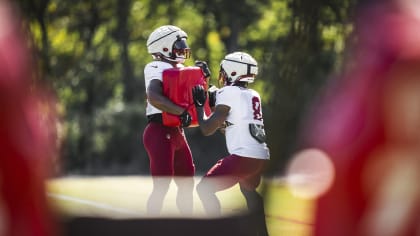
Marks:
<point>245,115</point>
<point>154,70</point>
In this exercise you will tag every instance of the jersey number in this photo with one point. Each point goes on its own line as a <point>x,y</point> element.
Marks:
<point>256,106</point>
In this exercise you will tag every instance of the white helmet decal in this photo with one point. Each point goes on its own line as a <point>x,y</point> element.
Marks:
<point>239,67</point>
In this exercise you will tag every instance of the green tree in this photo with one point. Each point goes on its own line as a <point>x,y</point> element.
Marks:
<point>94,52</point>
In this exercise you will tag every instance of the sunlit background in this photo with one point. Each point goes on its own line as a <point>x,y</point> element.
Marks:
<point>90,57</point>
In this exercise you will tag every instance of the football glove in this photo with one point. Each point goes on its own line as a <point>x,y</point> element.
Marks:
<point>212,95</point>
<point>185,119</point>
<point>204,68</point>
<point>199,95</point>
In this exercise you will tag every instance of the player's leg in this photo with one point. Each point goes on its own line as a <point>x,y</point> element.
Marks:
<point>250,179</point>
<point>217,178</point>
<point>158,144</point>
<point>184,197</point>
<point>184,171</point>
<point>155,200</point>
<point>207,194</point>
<point>255,205</point>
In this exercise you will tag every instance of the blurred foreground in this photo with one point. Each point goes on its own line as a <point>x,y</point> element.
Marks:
<point>117,206</point>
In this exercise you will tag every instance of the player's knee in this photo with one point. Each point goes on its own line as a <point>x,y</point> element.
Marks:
<point>200,188</point>
<point>185,183</point>
<point>204,188</point>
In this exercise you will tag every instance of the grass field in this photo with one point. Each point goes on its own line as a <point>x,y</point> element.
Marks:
<point>125,198</point>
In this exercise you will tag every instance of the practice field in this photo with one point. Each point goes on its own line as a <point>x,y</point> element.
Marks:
<point>124,198</point>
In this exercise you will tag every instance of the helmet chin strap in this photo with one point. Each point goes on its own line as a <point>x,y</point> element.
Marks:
<point>176,59</point>
<point>170,59</point>
<point>180,60</point>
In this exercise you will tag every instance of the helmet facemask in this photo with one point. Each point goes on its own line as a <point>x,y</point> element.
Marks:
<point>223,79</point>
<point>180,50</point>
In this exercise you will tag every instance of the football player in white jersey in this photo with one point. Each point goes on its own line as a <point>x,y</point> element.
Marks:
<point>238,109</point>
<point>168,150</point>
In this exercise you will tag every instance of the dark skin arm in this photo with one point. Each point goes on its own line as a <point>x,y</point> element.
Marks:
<point>215,121</point>
<point>158,100</point>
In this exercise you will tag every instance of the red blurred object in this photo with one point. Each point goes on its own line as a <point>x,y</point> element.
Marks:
<point>177,86</point>
<point>27,136</point>
<point>365,125</point>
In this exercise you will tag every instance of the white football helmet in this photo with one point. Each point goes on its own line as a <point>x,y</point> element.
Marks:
<point>169,42</point>
<point>238,67</point>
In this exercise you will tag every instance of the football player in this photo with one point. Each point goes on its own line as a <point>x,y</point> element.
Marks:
<point>238,110</point>
<point>168,150</point>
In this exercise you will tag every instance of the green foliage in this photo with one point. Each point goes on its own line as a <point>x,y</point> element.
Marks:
<point>93,53</point>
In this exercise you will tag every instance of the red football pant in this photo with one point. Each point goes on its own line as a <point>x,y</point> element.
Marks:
<point>236,169</point>
<point>168,150</point>
<point>226,173</point>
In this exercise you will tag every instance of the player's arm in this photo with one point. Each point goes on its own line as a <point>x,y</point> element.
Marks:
<point>216,120</point>
<point>158,100</point>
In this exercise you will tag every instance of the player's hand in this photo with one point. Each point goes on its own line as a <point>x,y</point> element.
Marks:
<point>185,119</point>
<point>212,95</point>
<point>204,68</point>
<point>222,128</point>
<point>199,95</point>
